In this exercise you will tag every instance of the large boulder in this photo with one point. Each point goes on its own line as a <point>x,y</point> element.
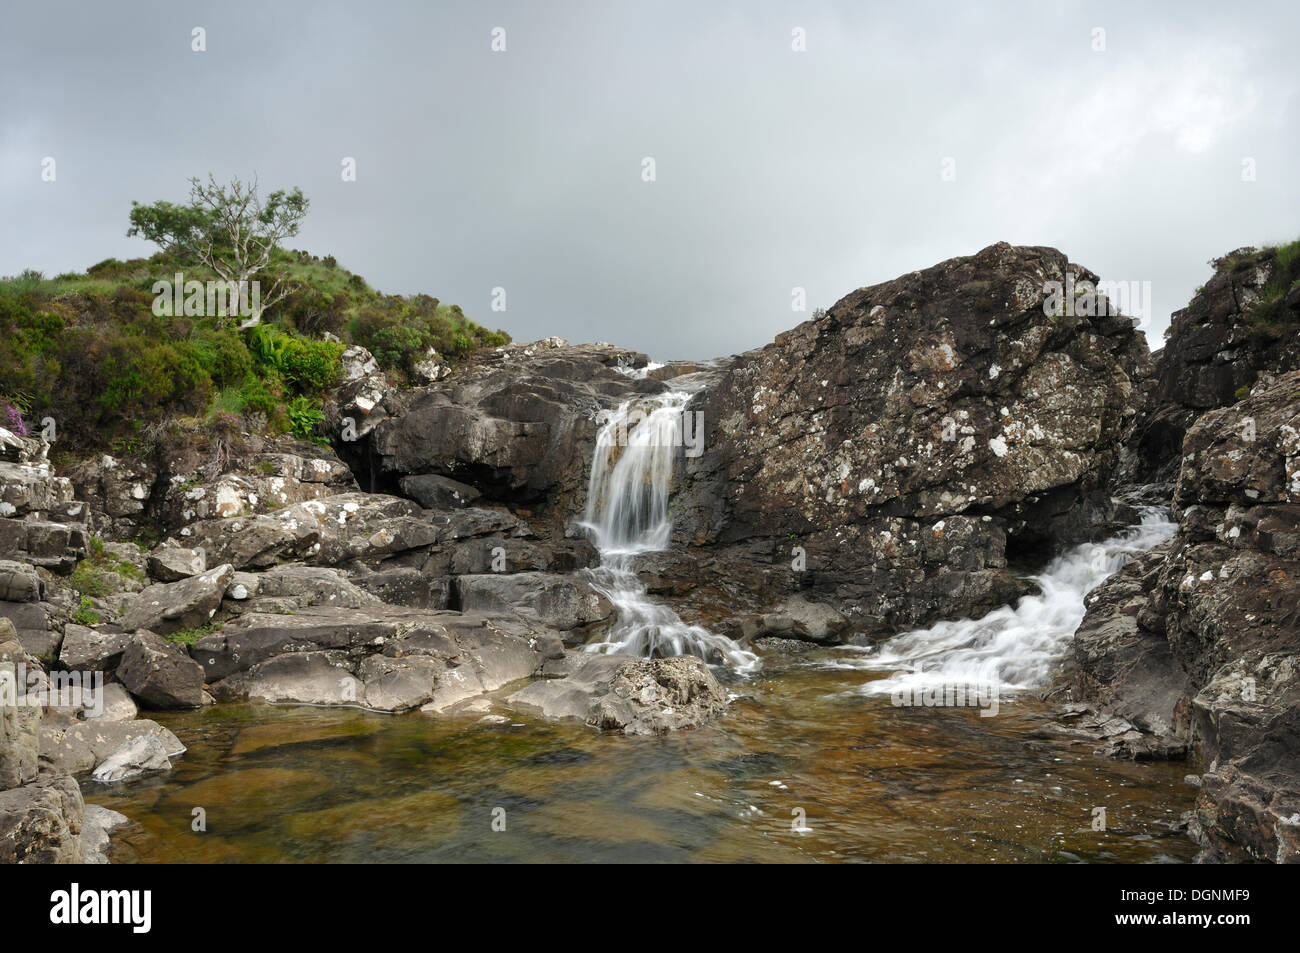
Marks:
<point>567,603</point>
<point>160,674</point>
<point>893,456</point>
<point>188,604</point>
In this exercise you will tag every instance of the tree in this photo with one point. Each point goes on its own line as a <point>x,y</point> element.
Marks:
<point>228,228</point>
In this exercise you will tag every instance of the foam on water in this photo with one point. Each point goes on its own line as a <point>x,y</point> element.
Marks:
<point>1012,648</point>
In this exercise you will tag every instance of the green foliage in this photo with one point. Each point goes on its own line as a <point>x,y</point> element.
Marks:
<point>304,414</point>
<point>89,580</point>
<point>1241,393</point>
<point>88,350</point>
<point>86,614</point>
<point>190,636</point>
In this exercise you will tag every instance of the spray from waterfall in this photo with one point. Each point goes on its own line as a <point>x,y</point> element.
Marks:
<point>627,515</point>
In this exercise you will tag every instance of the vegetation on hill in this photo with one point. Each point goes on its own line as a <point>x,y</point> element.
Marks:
<point>117,371</point>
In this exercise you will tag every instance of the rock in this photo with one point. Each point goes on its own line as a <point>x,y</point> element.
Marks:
<point>561,602</point>
<point>19,732</point>
<point>35,626</point>
<point>41,822</point>
<point>305,678</point>
<point>891,458</point>
<point>19,582</point>
<point>92,649</point>
<point>1215,348</point>
<point>173,563</point>
<point>141,755</point>
<point>328,531</point>
<point>518,424</point>
<point>805,620</point>
<point>1198,643</point>
<point>115,704</point>
<point>160,674</point>
<point>406,586</point>
<point>400,684</point>
<point>257,656</point>
<point>187,604</point>
<point>71,746</point>
<point>434,492</point>
<point>96,828</point>
<point>634,695</point>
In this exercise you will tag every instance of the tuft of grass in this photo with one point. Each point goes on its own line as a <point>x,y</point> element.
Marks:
<point>190,636</point>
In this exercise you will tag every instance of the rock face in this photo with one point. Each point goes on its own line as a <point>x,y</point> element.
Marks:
<point>518,425</point>
<point>891,457</point>
<point>1199,642</point>
<point>40,823</point>
<point>1231,331</point>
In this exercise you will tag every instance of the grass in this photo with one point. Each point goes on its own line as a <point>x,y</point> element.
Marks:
<point>190,636</point>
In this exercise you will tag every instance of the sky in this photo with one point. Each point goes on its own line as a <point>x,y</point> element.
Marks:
<point>1141,140</point>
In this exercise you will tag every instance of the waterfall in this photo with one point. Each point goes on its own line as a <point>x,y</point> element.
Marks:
<point>627,515</point>
<point>1012,648</point>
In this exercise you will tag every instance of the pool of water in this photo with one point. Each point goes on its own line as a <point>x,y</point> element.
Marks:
<point>803,768</point>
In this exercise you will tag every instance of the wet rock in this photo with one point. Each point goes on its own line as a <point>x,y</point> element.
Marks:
<point>135,758</point>
<point>637,696</point>
<point>160,674</point>
<point>96,831</point>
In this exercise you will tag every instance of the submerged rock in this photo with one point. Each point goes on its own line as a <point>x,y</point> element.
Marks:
<point>635,695</point>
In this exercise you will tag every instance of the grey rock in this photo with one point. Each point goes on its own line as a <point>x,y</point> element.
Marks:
<point>139,756</point>
<point>187,604</point>
<point>173,563</point>
<point>160,674</point>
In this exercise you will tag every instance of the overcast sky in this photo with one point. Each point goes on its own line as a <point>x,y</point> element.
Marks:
<point>774,168</point>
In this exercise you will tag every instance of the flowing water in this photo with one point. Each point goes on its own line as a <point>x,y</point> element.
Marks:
<point>627,515</point>
<point>815,760</point>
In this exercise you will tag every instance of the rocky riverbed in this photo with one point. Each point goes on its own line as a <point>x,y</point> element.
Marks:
<point>431,584</point>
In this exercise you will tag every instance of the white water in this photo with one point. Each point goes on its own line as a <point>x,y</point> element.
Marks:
<point>1012,648</point>
<point>627,514</point>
